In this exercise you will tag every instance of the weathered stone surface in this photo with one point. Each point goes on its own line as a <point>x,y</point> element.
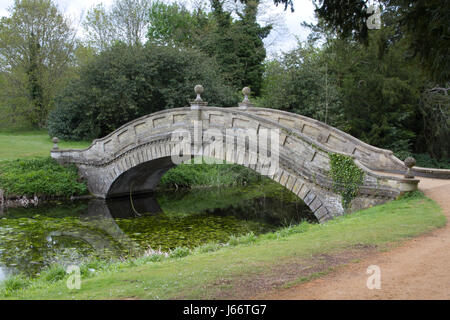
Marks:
<point>133,158</point>
<point>372,157</point>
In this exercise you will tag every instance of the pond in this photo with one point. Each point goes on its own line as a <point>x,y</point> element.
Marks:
<point>69,233</point>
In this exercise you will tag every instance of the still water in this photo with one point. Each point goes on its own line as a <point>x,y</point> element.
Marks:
<point>68,233</point>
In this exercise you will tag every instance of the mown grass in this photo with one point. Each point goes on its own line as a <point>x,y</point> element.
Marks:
<point>191,273</point>
<point>31,144</point>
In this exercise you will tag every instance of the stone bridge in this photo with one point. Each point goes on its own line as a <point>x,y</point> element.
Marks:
<point>135,157</point>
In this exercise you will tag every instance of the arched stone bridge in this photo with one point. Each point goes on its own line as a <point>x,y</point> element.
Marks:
<point>135,157</point>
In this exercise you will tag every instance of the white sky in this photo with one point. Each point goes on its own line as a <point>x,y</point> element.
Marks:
<point>282,39</point>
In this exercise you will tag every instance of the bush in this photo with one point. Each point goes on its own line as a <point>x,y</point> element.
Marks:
<point>126,82</point>
<point>245,239</point>
<point>41,177</point>
<point>54,273</point>
<point>208,247</point>
<point>180,252</point>
<point>13,284</point>
<point>209,175</point>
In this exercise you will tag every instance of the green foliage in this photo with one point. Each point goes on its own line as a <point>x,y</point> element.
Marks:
<point>235,43</point>
<point>413,195</point>
<point>423,23</point>
<point>238,45</point>
<point>174,24</point>
<point>371,92</point>
<point>54,273</point>
<point>180,252</point>
<point>208,175</point>
<point>123,83</point>
<point>300,82</point>
<point>242,240</point>
<point>13,284</point>
<point>36,45</point>
<point>347,177</point>
<point>208,247</point>
<point>434,108</point>
<point>125,21</point>
<point>425,160</point>
<point>41,177</point>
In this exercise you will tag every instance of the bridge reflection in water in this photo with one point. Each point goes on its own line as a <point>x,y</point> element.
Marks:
<point>33,238</point>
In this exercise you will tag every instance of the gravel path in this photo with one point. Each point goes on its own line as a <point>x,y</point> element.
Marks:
<point>418,269</point>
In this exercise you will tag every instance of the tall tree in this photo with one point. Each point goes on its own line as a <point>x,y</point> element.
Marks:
<point>424,22</point>
<point>238,45</point>
<point>130,18</point>
<point>125,21</point>
<point>173,24</point>
<point>99,28</point>
<point>36,46</point>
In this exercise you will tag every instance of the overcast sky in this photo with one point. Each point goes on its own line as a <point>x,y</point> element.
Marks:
<point>283,38</point>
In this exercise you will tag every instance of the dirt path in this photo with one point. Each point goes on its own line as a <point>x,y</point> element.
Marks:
<point>419,269</point>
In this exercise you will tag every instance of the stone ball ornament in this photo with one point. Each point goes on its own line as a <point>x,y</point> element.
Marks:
<point>246,102</point>
<point>199,89</point>
<point>409,163</point>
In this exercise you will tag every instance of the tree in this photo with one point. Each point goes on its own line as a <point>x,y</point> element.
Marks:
<point>300,82</point>
<point>236,44</point>
<point>423,22</point>
<point>125,82</point>
<point>36,46</point>
<point>174,25</point>
<point>435,110</point>
<point>125,21</point>
<point>371,92</point>
<point>100,29</point>
<point>130,18</point>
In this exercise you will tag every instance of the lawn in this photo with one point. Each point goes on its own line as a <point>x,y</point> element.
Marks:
<point>231,271</point>
<point>31,144</point>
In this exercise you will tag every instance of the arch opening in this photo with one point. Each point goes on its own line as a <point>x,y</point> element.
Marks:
<point>145,177</point>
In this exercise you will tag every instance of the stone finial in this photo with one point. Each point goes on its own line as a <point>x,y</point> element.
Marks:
<point>246,102</point>
<point>55,143</point>
<point>409,163</point>
<point>198,100</point>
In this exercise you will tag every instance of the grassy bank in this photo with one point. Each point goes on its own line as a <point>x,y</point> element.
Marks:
<point>42,177</point>
<point>213,271</point>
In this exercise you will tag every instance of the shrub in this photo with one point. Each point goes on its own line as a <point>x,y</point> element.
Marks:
<point>245,239</point>
<point>126,82</point>
<point>180,252</point>
<point>42,177</point>
<point>210,175</point>
<point>208,247</point>
<point>13,284</point>
<point>54,273</point>
<point>347,177</point>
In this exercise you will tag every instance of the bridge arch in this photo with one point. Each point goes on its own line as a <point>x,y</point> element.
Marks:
<point>137,155</point>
